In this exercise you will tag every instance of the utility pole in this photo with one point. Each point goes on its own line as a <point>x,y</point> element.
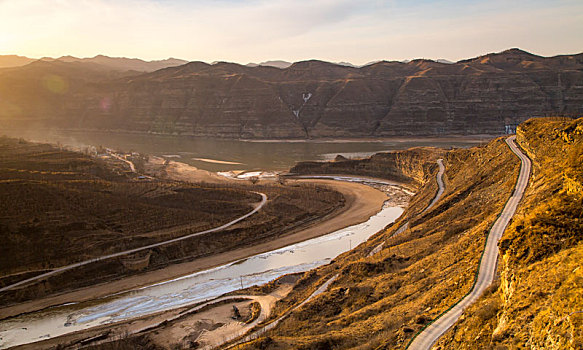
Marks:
<point>241,277</point>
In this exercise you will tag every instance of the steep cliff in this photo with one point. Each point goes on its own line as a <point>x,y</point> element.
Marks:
<point>308,99</point>
<point>412,166</point>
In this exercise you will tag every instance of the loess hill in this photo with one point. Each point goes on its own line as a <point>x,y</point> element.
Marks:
<point>538,301</point>
<point>309,99</point>
<point>381,301</point>
<point>59,207</point>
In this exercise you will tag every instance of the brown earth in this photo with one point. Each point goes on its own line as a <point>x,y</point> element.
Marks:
<point>60,207</point>
<point>380,300</point>
<point>360,203</point>
<point>537,302</point>
<point>310,99</point>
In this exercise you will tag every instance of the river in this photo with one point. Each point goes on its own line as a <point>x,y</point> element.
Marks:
<point>226,155</point>
<point>190,289</point>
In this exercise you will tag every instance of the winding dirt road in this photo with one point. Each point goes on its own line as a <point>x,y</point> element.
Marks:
<point>135,250</point>
<point>431,334</point>
<point>440,185</point>
<point>361,202</point>
<point>440,190</point>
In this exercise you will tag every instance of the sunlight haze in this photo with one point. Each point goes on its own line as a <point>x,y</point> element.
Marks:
<point>255,31</point>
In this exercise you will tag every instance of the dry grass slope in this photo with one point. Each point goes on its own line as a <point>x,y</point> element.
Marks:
<point>538,302</point>
<point>379,302</point>
<point>382,300</point>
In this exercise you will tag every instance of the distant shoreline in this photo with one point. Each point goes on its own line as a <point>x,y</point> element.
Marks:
<point>216,161</point>
<point>402,138</point>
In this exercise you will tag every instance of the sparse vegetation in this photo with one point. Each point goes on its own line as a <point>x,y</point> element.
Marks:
<point>382,300</point>
<point>59,207</point>
<point>540,294</point>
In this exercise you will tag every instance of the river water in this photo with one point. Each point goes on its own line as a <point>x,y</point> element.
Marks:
<point>193,288</point>
<point>211,154</point>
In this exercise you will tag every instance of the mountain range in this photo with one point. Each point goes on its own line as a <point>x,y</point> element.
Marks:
<point>115,63</point>
<point>308,99</point>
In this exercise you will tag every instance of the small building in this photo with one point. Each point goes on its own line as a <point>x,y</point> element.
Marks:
<point>510,129</point>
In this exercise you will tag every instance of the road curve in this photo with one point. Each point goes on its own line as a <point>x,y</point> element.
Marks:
<point>431,334</point>
<point>135,250</point>
<point>129,163</point>
<point>440,185</point>
<point>440,190</point>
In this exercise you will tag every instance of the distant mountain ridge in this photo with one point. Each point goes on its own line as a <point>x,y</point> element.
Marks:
<point>124,63</point>
<point>116,63</point>
<point>308,99</point>
<point>274,63</point>
<point>14,61</point>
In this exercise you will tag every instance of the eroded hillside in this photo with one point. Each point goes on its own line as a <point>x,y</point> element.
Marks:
<point>380,301</point>
<point>408,167</point>
<point>538,301</point>
<point>309,99</point>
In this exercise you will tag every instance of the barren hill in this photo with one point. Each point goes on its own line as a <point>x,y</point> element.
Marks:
<point>115,63</point>
<point>308,99</point>
<point>14,61</point>
<point>392,286</point>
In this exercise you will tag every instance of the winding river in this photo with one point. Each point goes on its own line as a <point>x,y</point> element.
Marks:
<point>190,289</point>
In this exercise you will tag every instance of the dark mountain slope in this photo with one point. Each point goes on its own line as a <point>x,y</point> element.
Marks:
<point>313,98</point>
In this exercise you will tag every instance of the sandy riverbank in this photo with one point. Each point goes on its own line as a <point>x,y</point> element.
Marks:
<point>361,203</point>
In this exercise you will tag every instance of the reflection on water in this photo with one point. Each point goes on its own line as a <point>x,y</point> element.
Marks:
<point>202,152</point>
<point>193,288</point>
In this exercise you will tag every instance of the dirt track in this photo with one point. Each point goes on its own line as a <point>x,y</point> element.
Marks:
<point>488,263</point>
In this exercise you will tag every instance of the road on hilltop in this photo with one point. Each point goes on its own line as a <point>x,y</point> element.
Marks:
<point>435,330</point>
<point>440,184</point>
<point>440,190</point>
<point>135,250</point>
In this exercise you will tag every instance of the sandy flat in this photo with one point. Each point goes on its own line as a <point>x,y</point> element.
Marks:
<point>208,160</point>
<point>361,203</point>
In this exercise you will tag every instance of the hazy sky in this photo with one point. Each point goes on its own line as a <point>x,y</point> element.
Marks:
<point>357,31</point>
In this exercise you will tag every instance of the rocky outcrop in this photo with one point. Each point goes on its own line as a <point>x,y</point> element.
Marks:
<point>412,166</point>
<point>309,99</point>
